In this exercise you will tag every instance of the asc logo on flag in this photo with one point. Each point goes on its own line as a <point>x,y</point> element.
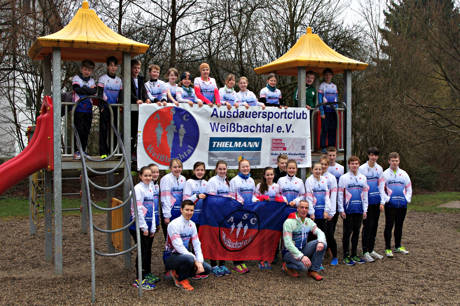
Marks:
<point>170,132</point>
<point>238,230</point>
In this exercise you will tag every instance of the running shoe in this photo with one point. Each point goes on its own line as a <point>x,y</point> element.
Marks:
<point>76,155</point>
<point>367,257</point>
<point>217,271</point>
<point>315,275</point>
<point>225,270</point>
<point>239,269</point>
<point>334,261</point>
<point>290,272</point>
<point>103,156</point>
<point>358,260</point>
<point>183,284</point>
<point>401,250</point>
<point>348,261</point>
<point>200,276</point>
<point>151,278</point>
<point>245,268</point>
<point>389,253</point>
<point>145,285</point>
<point>376,255</point>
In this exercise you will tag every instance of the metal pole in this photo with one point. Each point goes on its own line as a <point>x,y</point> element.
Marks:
<point>110,193</point>
<point>32,195</point>
<point>348,138</point>
<point>84,206</point>
<point>127,143</point>
<point>48,217</point>
<point>302,99</point>
<point>57,176</point>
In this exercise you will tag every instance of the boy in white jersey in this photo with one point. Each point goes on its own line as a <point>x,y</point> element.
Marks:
<point>156,89</point>
<point>109,87</point>
<point>373,173</point>
<point>396,194</point>
<point>83,85</point>
<point>327,93</point>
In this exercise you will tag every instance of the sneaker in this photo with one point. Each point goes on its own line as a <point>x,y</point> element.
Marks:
<point>315,275</point>
<point>225,270</point>
<point>389,253</point>
<point>239,269</point>
<point>358,260</point>
<point>268,266</point>
<point>151,278</point>
<point>334,261</point>
<point>183,284</point>
<point>367,257</point>
<point>145,285</point>
<point>376,255</point>
<point>348,261</point>
<point>103,156</point>
<point>262,265</point>
<point>245,268</point>
<point>200,276</point>
<point>290,272</point>
<point>216,271</point>
<point>76,155</point>
<point>401,250</point>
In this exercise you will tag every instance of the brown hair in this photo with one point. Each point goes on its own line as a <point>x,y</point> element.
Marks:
<point>154,66</point>
<point>291,161</point>
<point>282,156</point>
<point>143,169</point>
<point>393,155</point>
<point>323,158</point>
<point>271,75</point>
<point>229,77</point>
<point>331,149</point>
<point>88,64</point>
<point>221,162</point>
<point>174,70</point>
<point>177,160</point>
<point>263,185</point>
<point>353,158</point>
<point>135,62</point>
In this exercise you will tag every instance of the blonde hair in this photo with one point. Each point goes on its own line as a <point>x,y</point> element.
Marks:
<point>243,78</point>
<point>153,66</point>
<point>229,77</point>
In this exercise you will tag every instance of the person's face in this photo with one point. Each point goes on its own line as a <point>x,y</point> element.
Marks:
<point>187,211</point>
<point>324,166</point>
<point>317,169</point>
<point>243,85</point>
<point>245,168</point>
<point>328,77</point>
<point>199,172</point>
<point>135,69</point>
<point>332,156</point>
<point>205,72</point>
<point>154,74</point>
<point>221,170</point>
<point>269,175</point>
<point>310,79</point>
<point>302,209</point>
<point>172,77</point>
<point>282,163</point>
<point>146,176</point>
<point>292,169</point>
<point>373,158</point>
<point>272,82</point>
<point>354,165</point>
<point>86,72</point>
<point>186,82</point>
<point>394,163</point>
<point>155,172</point>
<point>176,169</point>
<point>112,68</point>
<point>230,83</point>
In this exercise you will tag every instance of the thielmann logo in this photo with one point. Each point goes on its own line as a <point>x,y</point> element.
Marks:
<point>170,132</point>
<point>238,230</point>
<point>235,144</point>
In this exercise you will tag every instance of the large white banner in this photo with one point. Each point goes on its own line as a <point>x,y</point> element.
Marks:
<point>209,134</point>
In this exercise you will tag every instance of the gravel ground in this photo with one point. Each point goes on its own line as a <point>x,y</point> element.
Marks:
<point>430,274</point>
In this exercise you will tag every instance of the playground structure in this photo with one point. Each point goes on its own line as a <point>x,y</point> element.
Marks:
<point>86,37</point>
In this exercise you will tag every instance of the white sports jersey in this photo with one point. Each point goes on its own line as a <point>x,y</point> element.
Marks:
<point>145,208</point>
<point>85,106</point>
<point>171,188</point>
<point>317,195</point>
<point>193,188</point>
<point>247,97</point>
<point>156,90</point>
<point>272,97</point>
<point>374,181</point>
<point>337,170</point>
<point>206,87</point>
<point>332,186</point>
<point>243,190</point>
<point>273,192</point>
<point>180,233</point>
<point>228,95</point>
<point>352,195</point>
<point>327,93</point>
<point>218,186</point>
<point>397,190</point>
<point>112,87</point>
<point>188,94</point>
<point>292,188</point>
<point>176,92</point>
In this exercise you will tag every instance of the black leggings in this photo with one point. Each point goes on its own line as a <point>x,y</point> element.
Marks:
<point>330,232</point>
<point>351,225</point>
<point>370,225</point>
<point>394,217</point>
<point>146,252</point>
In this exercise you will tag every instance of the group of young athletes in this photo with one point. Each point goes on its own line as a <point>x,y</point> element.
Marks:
<point>200,90</point>
<point>358,196</point>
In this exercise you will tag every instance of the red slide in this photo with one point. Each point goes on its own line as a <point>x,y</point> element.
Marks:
<point>37,155</point>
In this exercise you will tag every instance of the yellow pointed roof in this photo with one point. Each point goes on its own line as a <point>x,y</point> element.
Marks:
<point>312,52</point>
<point>86,37</point>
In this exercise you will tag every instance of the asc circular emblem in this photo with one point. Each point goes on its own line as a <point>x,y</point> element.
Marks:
<point>238,230</point>
<point>170,132</point>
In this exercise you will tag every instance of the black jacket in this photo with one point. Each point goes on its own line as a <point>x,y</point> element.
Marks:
<point>139,93</point>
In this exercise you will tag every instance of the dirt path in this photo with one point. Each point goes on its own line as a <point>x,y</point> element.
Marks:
<point>430,274</point>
